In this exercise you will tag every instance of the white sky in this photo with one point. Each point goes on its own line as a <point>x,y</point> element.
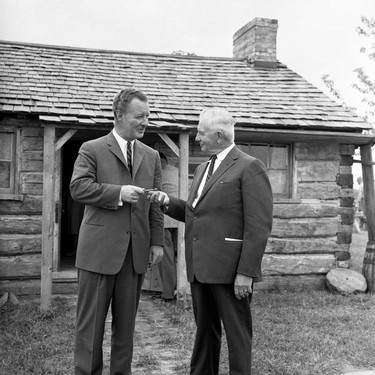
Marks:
<point>314,36</point>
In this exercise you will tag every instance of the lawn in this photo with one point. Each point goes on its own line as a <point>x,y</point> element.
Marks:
<point>295,333</point>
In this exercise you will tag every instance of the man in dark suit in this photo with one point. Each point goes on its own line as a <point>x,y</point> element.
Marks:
<point>228,218</point>
<point>121,233</point>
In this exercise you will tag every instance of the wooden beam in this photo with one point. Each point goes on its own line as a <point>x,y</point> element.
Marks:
<point>368,268</point>
<point>294,135</point>
<point>170,143</point>
<point>48,218</point>
<point>65,138</point>
<point>182,282</point>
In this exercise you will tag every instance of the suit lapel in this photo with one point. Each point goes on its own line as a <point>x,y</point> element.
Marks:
<point>115,148</point>
<point>229,160</point>
<point>196,182</point>
<point>138,155</point>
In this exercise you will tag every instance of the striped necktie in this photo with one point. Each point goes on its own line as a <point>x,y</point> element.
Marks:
<point>129,156</point>
<point>211,167</point>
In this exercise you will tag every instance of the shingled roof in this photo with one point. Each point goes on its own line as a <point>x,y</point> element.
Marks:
<point>67,85</point>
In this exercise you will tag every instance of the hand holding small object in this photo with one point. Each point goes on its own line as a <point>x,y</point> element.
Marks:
<point>158,197</point>
<point>131,193</point>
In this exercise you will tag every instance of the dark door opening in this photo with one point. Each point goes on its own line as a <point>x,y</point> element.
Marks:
<point>71,213</point>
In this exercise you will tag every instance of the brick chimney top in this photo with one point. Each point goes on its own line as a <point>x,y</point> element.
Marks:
<point>256,42</point>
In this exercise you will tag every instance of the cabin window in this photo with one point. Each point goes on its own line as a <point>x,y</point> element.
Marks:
<point>7,162</point>
<point>276,158</point>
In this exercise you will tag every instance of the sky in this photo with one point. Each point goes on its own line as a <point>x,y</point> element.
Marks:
<point>314,37</point>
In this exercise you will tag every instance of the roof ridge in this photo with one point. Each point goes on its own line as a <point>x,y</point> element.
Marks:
<point>102,50</point>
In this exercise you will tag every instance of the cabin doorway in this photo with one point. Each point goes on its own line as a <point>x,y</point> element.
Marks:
<point>71,211</point>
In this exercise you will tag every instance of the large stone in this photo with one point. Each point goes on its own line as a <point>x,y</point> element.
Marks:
<point>345,281</point>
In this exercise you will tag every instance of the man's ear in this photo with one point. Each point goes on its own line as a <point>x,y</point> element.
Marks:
<point>219,136</point>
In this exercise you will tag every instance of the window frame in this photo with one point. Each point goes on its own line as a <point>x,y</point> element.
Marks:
<point>13,192</point>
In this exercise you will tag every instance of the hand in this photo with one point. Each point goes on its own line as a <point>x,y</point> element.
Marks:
<point>243,286</point>
<point>156,255</point>
<point>158,197</point>
<point>131,193</point>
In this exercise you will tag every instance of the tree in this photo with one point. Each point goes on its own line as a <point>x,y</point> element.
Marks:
<point>364,83</point>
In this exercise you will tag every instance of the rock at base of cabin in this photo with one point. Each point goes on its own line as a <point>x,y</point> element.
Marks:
<point>345,281</point>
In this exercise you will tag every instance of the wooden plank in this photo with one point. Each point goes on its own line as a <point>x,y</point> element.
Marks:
<point>48,217</point>
<point>65,138</point>
<point>22,224</point>
<point>170,143</point>
<point>317,171</point>
<point>183,286</point>
<point>26,287</point>
<point>368,190</point>
<point>318,190</point>
<point>305,245</point>
<point>58,209</point>
<point>19,266</point>
<point>317,151</point>
<point>30,205</point>
<point>14,244</point>
<point>291,283</point>
<point>285,264</point>
<point>295,210</point>
<point>307,227</point>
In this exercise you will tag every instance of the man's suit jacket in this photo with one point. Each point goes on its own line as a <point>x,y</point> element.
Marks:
<point>227,231</point>
<point>107,228</point>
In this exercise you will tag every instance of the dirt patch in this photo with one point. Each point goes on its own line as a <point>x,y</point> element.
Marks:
<point>155,351</point>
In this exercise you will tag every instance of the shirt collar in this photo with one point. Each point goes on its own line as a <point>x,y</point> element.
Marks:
<point>222,154</point>
<point>121,141</point>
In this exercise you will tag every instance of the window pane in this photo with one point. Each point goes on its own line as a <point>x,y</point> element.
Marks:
<point>6,146</point>
<point>279,182</point>
<point>5,174</point>
<point>278,157</point>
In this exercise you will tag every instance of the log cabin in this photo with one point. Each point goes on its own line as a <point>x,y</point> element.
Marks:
<point>54,98</point>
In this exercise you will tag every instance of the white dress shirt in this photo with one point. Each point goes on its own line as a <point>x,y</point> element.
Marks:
<point>220,157</point>
<point>123,146</point>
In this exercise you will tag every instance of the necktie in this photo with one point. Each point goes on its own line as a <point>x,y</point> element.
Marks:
<point>129,156</point>
<point>211,167</point>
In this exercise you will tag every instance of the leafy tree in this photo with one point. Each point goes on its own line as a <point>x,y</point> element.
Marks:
<point>365,85</point>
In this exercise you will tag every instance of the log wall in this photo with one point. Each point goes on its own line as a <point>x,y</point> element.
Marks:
<point>20,220</point>
<point>311,232</point>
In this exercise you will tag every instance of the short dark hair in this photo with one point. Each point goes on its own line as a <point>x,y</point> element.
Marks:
<point>124,97</point>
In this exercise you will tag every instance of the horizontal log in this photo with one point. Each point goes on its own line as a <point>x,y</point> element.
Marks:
<point>32,143</point>
<point>20,266</point>
<point>306,227</point>
<point>317,151</point>
<point>32,178</point>
<point>32,165</point>
<point>32,132</point>
<point>305,245</point>
<point>32,189</point>
<point>22,224</point>
<point>318,190</point>
<point>15,244</point>
<point>290,283</point>
<point>318,171</point>
<point>28,287</point>
<point>30,205</point>
<point>300,210</point>
<point>277,264</point>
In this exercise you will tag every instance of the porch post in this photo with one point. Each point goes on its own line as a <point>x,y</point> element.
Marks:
<point>368,268</point>
<point>182,282</point>
<point>48,217</point>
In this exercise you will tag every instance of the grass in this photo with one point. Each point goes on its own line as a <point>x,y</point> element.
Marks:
<point>295,333</point>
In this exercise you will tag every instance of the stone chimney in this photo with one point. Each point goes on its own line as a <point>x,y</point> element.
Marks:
<point>256,42</point>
